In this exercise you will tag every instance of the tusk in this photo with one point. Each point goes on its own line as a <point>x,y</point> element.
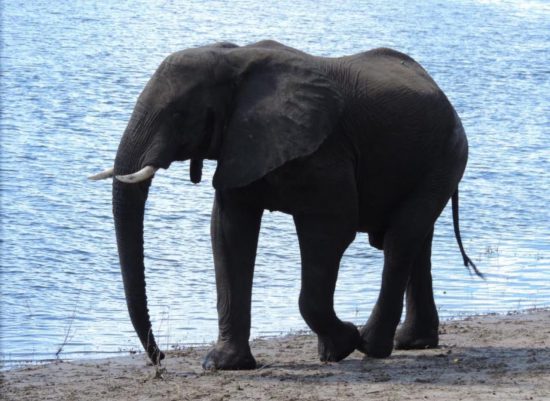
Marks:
<point>103,175</point>
<point>141,175</point>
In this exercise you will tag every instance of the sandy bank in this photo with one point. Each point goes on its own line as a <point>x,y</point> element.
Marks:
<point>480,358</point>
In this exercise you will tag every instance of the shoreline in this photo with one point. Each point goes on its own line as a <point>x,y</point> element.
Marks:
<point>10,364</point>
<point>480,356</point>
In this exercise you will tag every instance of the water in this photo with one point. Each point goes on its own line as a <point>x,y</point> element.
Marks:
<point>71,72</point>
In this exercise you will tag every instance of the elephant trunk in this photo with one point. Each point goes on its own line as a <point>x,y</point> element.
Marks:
<point>128,210</point>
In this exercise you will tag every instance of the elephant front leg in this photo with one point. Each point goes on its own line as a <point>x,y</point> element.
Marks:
<point>235,229</point>
<point>323,241</point>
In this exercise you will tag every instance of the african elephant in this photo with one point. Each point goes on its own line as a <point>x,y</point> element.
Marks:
<point>363,143</point>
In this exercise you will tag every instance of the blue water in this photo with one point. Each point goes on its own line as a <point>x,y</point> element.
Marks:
<point>71,72</point>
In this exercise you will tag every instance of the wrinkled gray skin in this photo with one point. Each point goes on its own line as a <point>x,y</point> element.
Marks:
<point>364,143</point>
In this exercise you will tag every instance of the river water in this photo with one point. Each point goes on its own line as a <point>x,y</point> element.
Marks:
<point>71,72</point>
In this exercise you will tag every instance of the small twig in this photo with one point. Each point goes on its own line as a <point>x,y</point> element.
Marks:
<point>66,339</point>
<point>266,366</point>
<point>68,332</point>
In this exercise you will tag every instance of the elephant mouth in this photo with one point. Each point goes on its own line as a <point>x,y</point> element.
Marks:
<point>148,172</point>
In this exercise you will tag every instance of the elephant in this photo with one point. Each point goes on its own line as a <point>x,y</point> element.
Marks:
<point>363,143</point>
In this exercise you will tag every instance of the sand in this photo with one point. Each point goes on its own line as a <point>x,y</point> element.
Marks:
<point>493,357</point>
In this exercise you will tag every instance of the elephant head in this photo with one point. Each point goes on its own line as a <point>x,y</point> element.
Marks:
<point>251,108</point>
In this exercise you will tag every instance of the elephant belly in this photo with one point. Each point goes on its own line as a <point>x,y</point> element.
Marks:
<point>326,190</point>
<point>379,198</point>
<point>321,183</point>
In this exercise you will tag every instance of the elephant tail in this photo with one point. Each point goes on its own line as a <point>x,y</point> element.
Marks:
<point>467,261</point>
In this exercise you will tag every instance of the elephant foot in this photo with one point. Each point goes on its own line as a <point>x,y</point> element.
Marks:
<point>225,356</point>
<point>415,337</point>
<point>336,348</point>
<point>156,356</point>
<point>374,343</point>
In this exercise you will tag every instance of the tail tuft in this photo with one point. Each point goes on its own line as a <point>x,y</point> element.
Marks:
<point>467,261</point>
<point>469,264</point>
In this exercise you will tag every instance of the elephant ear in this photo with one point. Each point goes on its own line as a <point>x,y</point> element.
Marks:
<point>282,111</point>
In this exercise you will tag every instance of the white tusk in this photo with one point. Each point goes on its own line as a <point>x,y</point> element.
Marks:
<point>103,175</point>
<point>141,175</point>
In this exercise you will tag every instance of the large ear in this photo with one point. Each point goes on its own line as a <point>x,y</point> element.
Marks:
<point>282,110</point>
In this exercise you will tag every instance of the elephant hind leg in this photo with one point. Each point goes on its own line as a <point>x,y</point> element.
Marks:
<point>409,230</point>
<point>323,240</point>
<point>420,329</point>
